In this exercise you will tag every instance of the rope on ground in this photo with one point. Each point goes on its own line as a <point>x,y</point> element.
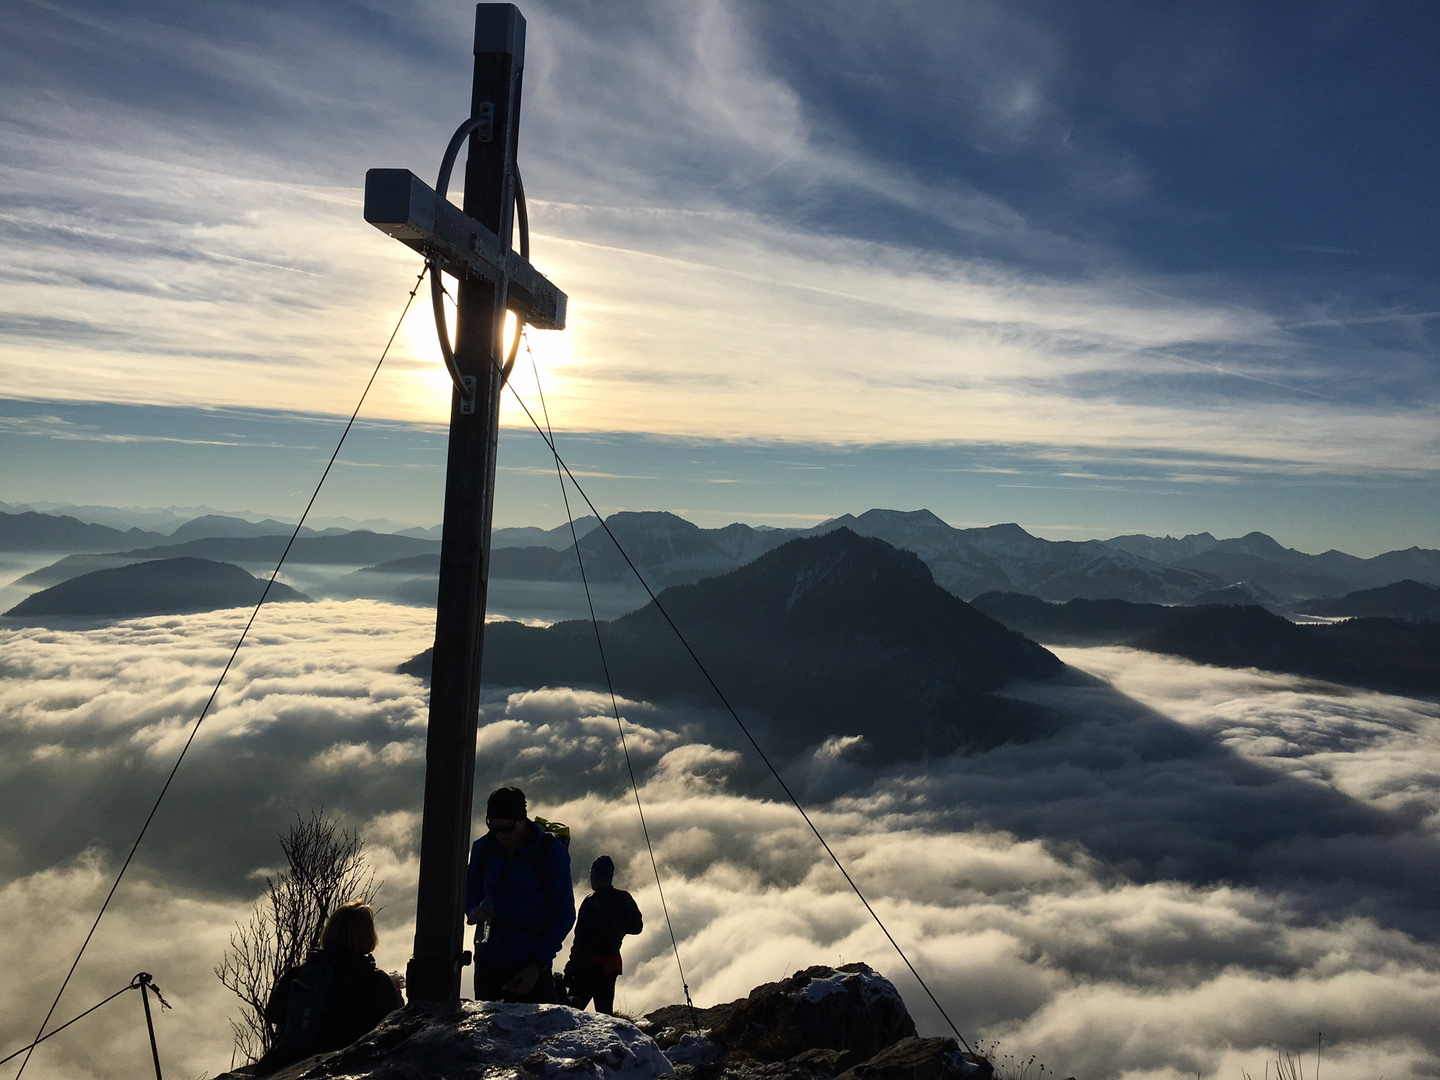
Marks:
<point>560,463</point>
<point>605,665</point>
<point>233,653</point>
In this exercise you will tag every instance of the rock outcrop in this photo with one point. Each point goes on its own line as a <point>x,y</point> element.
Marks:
<point>919,1059</point>
<point>819,1024</point>
<point>489,1040</point>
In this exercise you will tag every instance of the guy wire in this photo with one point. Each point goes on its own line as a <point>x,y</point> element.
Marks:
<point>549,442</point>
<point>605,665</point>
<point>234,652</point>
<point>62,1027</point>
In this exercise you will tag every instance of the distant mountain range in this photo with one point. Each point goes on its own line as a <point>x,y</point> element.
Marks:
<point>668,550</point>
<point>165,520</point>
<point>1075,622</point>
<point>1259,559</point>
<point>216,525</point>
<point>345,549</point>
<point>412,580</point>
<point>156,587</point>
<point>1412,601</point>
<point>1385,654</point>
<point>969,562</point>
<point>1382,653</point>
<point>1159,593</point>
<point>31,531</point>
<point>530,536</point>
<point>836,634</point>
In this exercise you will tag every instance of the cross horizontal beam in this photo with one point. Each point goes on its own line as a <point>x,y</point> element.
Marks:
<point>400,204</point>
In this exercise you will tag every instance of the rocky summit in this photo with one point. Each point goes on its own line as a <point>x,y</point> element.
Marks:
<point>489,1039</point>
<point>822,1023</point>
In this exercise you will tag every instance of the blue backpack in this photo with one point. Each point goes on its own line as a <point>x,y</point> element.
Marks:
<point>306,1009</point>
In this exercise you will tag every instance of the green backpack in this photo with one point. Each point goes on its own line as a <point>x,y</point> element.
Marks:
<point>557,829</point>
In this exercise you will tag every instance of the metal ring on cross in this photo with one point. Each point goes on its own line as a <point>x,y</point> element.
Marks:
<point>437,286</point>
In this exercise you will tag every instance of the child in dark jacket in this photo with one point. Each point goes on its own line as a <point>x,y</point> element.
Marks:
<point>606,916</point>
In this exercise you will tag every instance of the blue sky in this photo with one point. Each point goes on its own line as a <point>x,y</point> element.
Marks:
<point>1094,268</point>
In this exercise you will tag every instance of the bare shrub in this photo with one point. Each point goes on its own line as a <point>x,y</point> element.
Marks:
<point>326,867</point>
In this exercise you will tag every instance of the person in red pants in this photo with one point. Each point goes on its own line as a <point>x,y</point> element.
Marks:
<point>606,916</point>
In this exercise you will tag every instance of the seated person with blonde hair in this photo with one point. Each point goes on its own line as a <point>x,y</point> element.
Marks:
<point>333,998</point>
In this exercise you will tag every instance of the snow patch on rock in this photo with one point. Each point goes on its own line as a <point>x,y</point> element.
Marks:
<point>870,985</point>
<point>693,1050</point>
<point>493,1040</point>
<point>558,1041</point>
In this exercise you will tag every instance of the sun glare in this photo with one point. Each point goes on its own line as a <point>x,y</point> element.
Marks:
<point>548,354</point>
<point>420,385</point>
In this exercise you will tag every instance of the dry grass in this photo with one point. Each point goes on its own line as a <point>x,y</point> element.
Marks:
<point>1287,1067</point>
<point>1011,1067</point>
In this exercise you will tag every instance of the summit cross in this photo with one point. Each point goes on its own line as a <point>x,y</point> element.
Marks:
<point>472,244</point>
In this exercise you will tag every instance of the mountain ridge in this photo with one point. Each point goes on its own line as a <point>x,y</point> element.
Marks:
<point>1378,653</point>
<point>1413,601</point>
<point>969,562</point>
<point>1263,561</point>
<point>670,550</point>
<point>31,530</point>
<point>830,635</point>
<point>153,587</point>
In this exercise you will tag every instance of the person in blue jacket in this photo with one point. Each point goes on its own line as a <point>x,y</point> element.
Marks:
<point>518,893</point>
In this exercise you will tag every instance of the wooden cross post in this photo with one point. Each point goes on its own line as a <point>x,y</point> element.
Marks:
<point>473,245</point>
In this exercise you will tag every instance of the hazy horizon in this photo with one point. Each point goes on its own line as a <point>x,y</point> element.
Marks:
<point>1091,270</point>
<point>392,475</point>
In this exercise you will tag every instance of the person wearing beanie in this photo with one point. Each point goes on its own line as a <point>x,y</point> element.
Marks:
<point>606,916</point>
<point>518,895</point>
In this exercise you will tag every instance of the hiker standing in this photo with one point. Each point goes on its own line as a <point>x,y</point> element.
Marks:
<point>518,893</point>
<point>333,998</point>
<point>606,916</point>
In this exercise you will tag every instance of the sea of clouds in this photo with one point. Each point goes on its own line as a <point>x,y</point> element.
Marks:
<point>1204,866</point>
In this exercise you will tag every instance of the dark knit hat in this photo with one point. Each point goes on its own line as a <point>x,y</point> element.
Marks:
<point>506,803</point>
<point>603,869</point>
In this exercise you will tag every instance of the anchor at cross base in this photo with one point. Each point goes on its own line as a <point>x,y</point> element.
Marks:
<point>473,244</point>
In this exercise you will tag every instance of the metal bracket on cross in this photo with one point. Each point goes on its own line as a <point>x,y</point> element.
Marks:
<point>401,205</point>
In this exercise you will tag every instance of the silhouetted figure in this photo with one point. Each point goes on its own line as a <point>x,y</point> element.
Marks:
<point>333,998</point>
<point>606,916</point>
<point>518,893</point>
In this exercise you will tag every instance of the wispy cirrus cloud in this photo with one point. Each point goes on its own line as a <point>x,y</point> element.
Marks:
<point>742,226</point>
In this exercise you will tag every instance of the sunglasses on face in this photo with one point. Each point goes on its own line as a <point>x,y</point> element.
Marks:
<point>501,827</point>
